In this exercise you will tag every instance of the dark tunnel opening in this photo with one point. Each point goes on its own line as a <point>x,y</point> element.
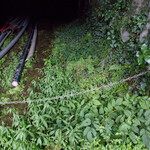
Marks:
<point>46,9</point>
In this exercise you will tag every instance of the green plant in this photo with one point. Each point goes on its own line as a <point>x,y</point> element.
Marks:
<point>144,54</point>
<point>84,56</point>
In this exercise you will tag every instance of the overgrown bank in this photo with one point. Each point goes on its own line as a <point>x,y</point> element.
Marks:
<point>86,55</point>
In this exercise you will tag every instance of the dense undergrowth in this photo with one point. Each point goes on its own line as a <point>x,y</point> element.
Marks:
<point>86,55</point>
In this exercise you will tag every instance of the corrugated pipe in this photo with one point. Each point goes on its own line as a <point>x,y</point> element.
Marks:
<point>19,69</point>
<point>14,41</point>
<point>33,44</point>
<point>15,24</point>
<point>6,34</point>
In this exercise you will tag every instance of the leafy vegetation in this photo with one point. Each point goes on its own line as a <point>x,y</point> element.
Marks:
<point>84,56</point>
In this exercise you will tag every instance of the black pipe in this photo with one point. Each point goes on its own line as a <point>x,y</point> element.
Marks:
<point>7,33</point>
<point>2,36</point>
<point>14,41</point>
<point>10,24</point>
<point>20,67</point>
<point>14,24</point>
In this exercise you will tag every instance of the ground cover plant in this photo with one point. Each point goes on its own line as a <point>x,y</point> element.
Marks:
<point>85,55</point>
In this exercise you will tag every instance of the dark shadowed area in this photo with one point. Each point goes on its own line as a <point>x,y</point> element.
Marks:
<point>55,9</point>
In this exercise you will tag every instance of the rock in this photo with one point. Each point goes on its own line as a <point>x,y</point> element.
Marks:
<point>125,35</point>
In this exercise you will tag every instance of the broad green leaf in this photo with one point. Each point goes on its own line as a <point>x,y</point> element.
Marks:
<point>90,136</point>
<point>93,132</point>
<point>147,122</point>
<point>127,113</point>
<point>96,102</point>
<point>86,130</point>
<point>133,137</point>
<point>86,122</point>
<point>119,101</point>
<point>147,114</point>
<point>146,139</point>
<point>46,142</point>
<point>117,120</point>
<point>124,128</point>
<point>136,122</point>
<point>101,110</point>
<point>72,139</point>
<point>135,129</point>
<point>39,141</point>
<point>145,104</point>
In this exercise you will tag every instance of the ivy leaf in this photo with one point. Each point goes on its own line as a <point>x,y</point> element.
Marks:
<point>117,120</point>
<point>147,122</point>
<point>127,113</point>
<point>119,101</point>
<point>93,132</point>
<point>145,104</point>
<point>124,127</point>
<point>39,141</point>
<point>101,110</point>
<point>90,136</point>
<point>90,133</point>
<point>146,138</point>
<point>96,126</point>
<point>147,114</point>
<point>96,102</point>
<point>135,129</point>
<point>86,122</point>
<point>71,138</point>
<point>133,137</point>
<point>87,129</point>
<point>46,142</point>
<point>136,122</point>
